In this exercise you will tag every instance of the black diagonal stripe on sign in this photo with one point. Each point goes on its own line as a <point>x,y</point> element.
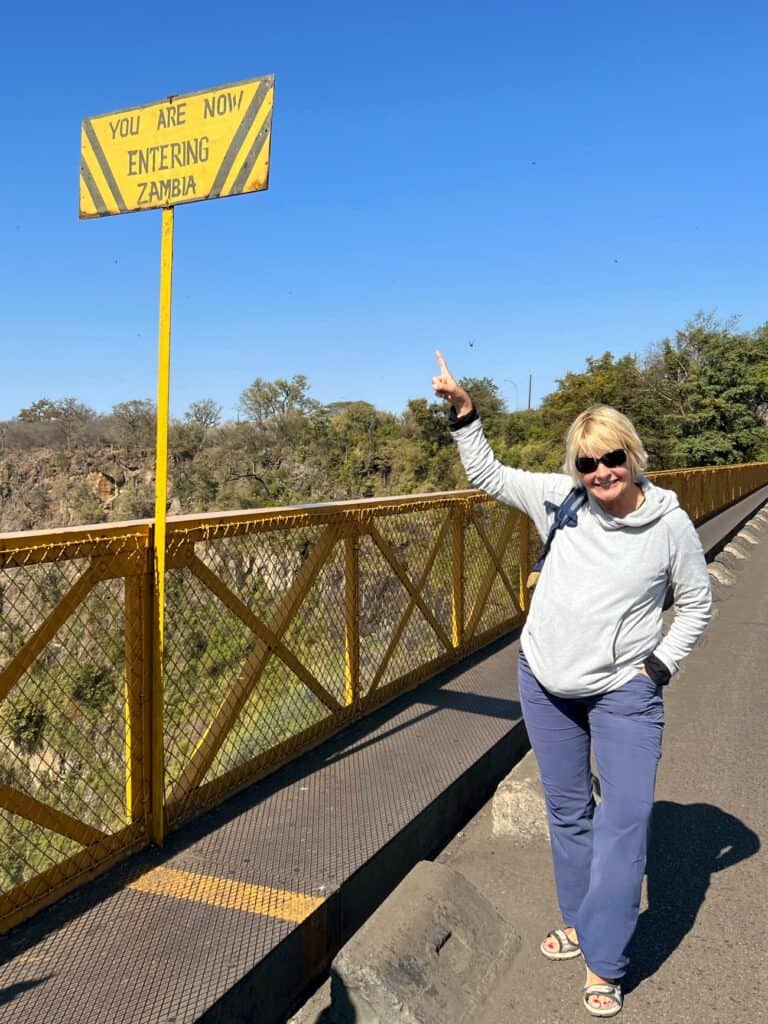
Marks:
<point>253,155</point>
<point>106,170</point>
<point>234,147</point>
<point>93,188</point>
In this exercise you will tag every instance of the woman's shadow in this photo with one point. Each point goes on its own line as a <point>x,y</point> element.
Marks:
<point>689,842</point>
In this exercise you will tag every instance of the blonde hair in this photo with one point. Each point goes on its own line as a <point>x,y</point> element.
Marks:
<point>600,429</point>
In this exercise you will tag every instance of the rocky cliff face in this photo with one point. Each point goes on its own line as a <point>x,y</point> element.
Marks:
<point>44,488</point>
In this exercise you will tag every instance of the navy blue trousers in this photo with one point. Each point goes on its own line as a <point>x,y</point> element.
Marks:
<point>598,852</point>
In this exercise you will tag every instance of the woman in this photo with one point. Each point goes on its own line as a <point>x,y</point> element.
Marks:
<point>592,663</point>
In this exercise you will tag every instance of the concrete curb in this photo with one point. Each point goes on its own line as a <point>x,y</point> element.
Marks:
<point>517,808</point>
<point>428,955</point>
<point>734,555</point>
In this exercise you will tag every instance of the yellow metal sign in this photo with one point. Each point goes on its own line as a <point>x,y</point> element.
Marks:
<point>181,150</point>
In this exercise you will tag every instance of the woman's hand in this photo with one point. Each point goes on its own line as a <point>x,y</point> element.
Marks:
<point>444,385</point>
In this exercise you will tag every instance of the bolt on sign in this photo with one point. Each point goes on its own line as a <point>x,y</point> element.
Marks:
<point>186,148</point>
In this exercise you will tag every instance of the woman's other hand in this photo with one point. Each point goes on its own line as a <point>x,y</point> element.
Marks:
<point>445,386</point>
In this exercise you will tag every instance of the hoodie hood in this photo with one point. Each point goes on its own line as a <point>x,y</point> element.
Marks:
<point>658,503</point>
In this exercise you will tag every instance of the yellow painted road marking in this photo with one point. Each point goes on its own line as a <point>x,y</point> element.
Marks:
<point>227,893</point>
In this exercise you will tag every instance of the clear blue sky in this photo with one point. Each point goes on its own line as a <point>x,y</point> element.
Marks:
<point>545,179</point>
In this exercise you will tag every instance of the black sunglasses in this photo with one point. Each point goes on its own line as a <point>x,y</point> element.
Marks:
<point>586,464</point>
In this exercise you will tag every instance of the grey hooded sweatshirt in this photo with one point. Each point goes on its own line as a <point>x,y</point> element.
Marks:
<point>596,613</point>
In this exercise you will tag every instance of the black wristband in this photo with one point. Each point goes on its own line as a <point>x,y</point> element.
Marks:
<point>456,422</point>
<point>657,670</point>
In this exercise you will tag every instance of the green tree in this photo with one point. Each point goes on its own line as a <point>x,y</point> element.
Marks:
<point>69,415</point>
<point>425,422</point>
<point>265,400</point>
<point>204,413</point>
<point>621,383</point>
<point>713,382</point>
<point>135,423</point>
<point>43,410</point>
<point>360,453</point>
<point>488,400</point>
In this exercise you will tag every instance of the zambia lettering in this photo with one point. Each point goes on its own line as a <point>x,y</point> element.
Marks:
<point>165,191</point>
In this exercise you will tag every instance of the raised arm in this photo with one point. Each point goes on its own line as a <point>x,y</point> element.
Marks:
<point>517,487</point>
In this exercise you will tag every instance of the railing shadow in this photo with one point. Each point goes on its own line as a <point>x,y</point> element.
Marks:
<point>689,843</point>
<point>437,696</point>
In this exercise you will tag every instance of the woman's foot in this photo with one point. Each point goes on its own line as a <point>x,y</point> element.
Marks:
<point>561,944</point>
<point>602,997</point>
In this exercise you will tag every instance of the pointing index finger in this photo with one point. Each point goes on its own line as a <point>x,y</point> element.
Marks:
<point>441,361</point>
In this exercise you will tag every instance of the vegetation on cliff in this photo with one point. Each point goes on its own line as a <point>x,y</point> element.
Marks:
<point>698,399</point>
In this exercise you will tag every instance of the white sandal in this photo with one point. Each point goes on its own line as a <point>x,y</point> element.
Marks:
<point>567,949</point>
<point>611,990</point>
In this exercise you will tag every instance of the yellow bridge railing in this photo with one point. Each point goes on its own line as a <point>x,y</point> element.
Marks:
<point>281,626</point>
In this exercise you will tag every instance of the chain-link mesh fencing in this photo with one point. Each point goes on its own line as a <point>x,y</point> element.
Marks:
<point>282,627</point>
<point>703,492</point>
<point>73,685</point>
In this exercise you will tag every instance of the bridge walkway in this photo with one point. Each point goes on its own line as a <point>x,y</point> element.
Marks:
<point>242,910</point>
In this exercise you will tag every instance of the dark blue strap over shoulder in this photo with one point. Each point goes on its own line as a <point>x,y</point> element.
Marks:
<point>566,514</point>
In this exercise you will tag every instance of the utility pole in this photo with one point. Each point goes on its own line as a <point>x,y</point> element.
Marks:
<point>530,385</point>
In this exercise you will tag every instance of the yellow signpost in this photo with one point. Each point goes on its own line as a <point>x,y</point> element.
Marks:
<point>204,145</point>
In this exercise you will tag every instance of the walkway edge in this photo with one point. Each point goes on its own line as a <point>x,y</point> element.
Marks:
<point>292,970</point>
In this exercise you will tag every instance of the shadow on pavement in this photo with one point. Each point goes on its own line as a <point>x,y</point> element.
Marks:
<point>9,993</point>
<point>689,842</point>
<point>342,1010</point>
